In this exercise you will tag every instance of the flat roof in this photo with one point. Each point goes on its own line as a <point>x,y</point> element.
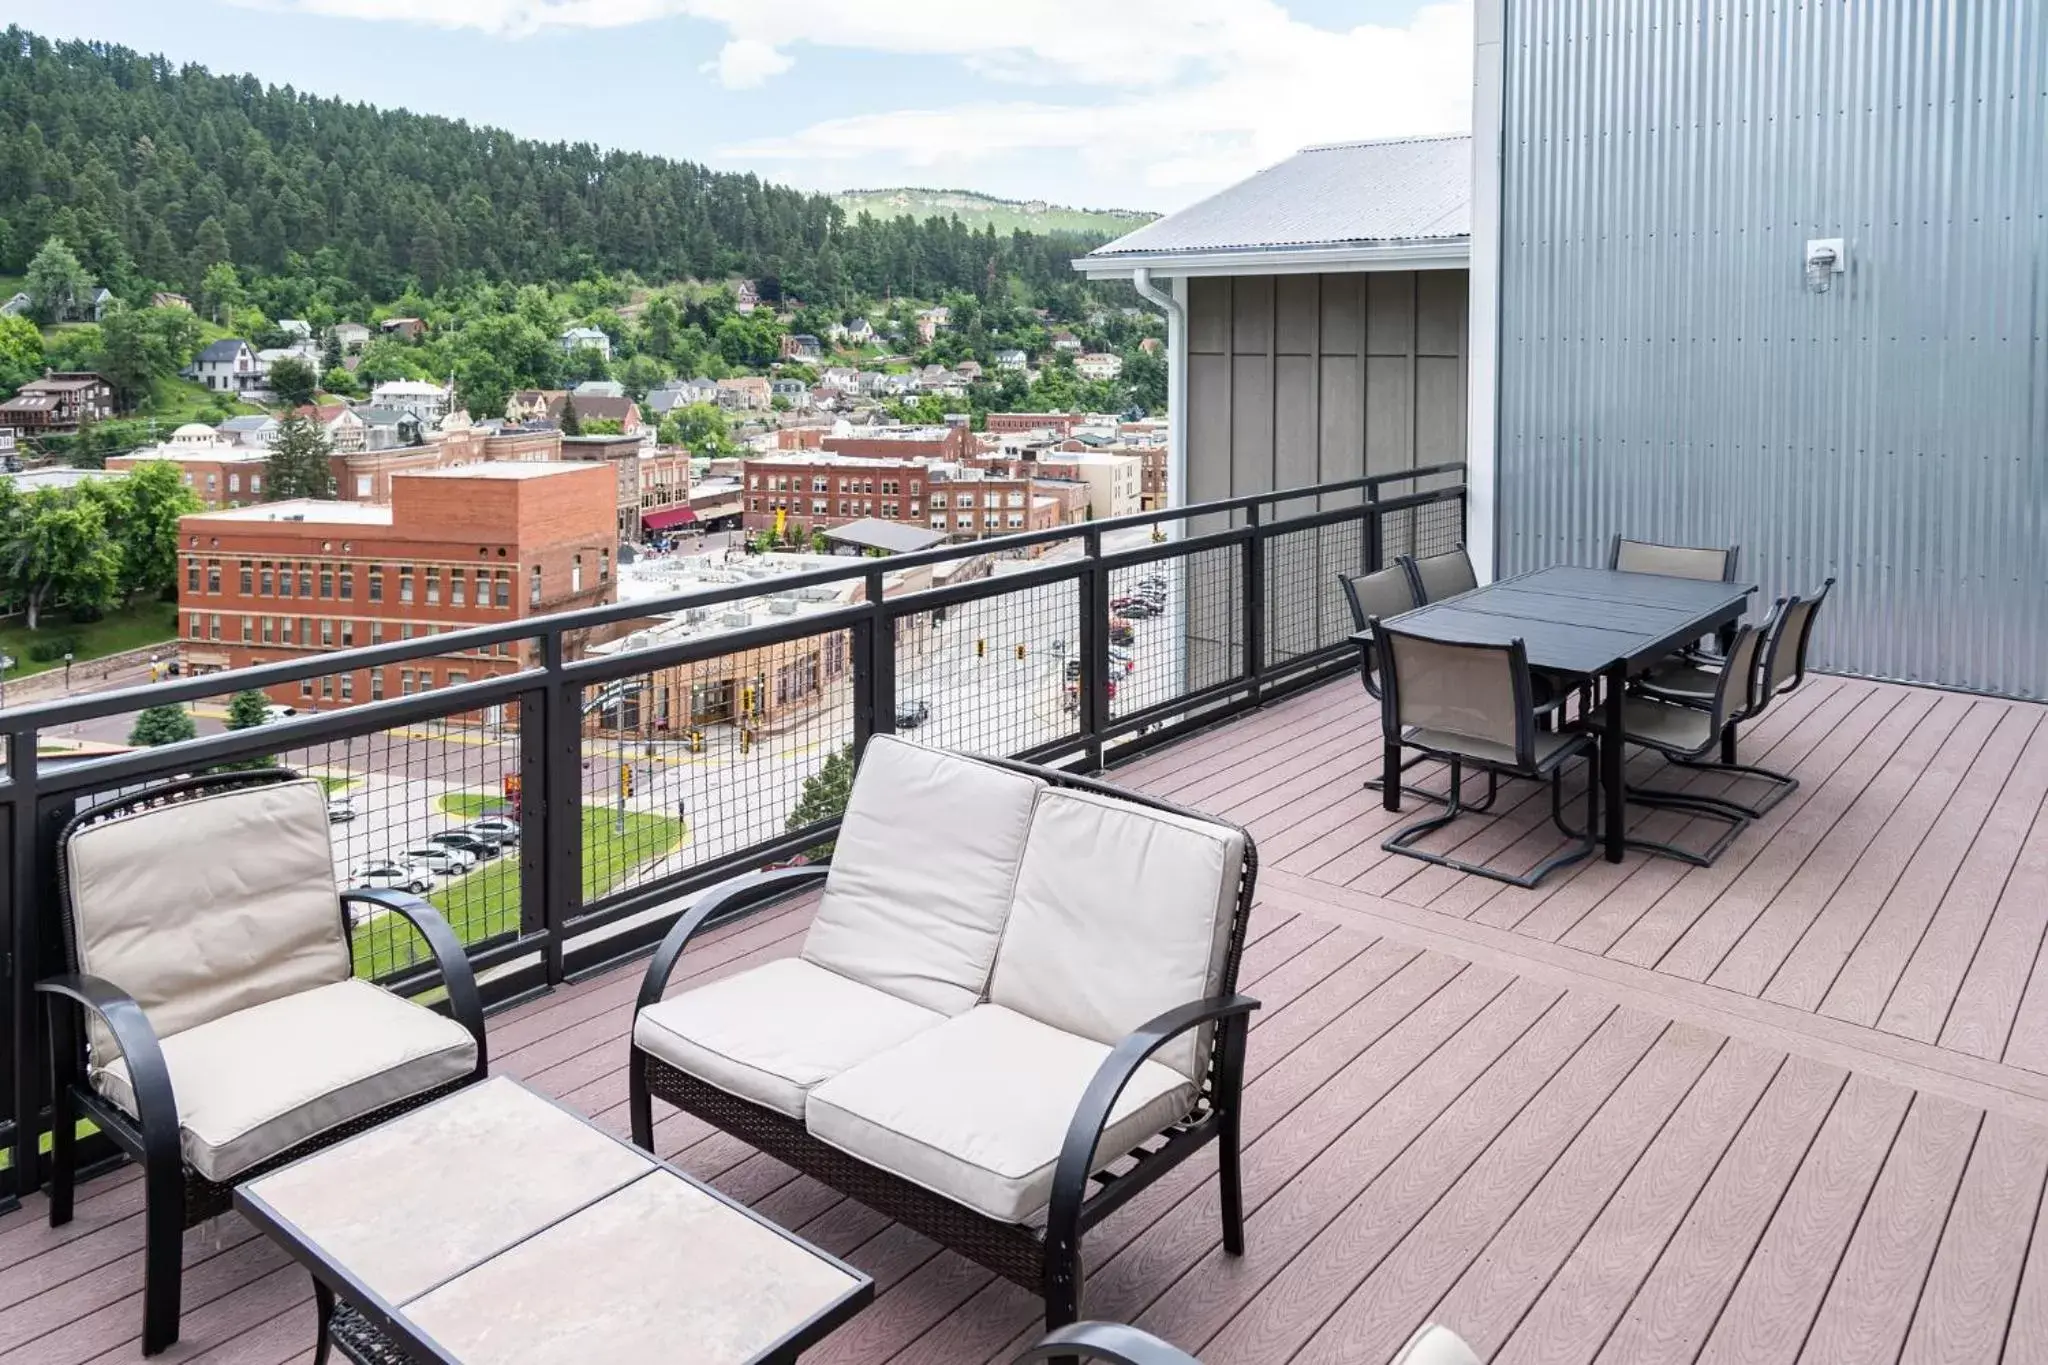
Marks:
<point>499,469</point>
<point>1395,203</point>
<point>315,511</point>
<point>877,533</point>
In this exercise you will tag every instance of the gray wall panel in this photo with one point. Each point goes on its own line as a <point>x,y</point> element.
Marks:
<point>1664,371</point>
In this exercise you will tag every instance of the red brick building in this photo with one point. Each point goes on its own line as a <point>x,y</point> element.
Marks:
<point>1018,423</point>
<point>817,492</point>
<point>58,402</point>
<point>460,547</point>
<point>950,442</point>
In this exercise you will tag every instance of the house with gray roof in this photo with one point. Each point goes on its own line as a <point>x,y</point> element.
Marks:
<point>229,365</point>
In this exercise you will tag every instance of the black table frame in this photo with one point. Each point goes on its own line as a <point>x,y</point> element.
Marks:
<point>1591,625</point>
<point>377,1328</point>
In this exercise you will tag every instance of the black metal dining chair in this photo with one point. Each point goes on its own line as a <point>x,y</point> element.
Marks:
<point>1474,705</point>
<point>1674,561</point>
<point>1435,577</point>
<point>1372,596</point>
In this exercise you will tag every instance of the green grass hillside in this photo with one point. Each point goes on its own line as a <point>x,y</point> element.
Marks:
<point>978,210</point>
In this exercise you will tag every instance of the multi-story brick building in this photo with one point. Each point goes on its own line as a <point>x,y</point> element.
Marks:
<point>459,547</point>
<point>1061,424</point>
<point>817,492</point>
<point>219,474</point>
<point>58,402</point>
<point>952,441</point>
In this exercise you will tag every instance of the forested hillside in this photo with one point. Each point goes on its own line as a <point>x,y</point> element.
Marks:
<point>154,172</point>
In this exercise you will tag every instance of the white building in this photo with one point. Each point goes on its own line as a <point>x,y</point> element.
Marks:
<point>227,366</point>
<point>576,338</point>
<point>428,402</point>
<point>1098,365</point>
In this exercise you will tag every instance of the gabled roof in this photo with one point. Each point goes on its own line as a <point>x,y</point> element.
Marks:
<point>224,351</point>
<point>1397,204</point>
<point>891,537</point>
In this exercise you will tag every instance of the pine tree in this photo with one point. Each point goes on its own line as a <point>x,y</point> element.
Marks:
<point>824,797</point>
<point>167,724</point>
<point>572,425</point>
<point>297,467</point>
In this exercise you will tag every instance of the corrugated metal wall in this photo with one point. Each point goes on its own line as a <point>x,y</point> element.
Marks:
<point>1664,371</point>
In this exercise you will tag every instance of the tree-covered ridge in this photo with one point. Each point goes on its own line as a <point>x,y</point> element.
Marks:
<point>155,172</point>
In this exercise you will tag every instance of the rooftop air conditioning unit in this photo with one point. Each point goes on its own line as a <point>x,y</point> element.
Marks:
<point>782,606</point>
<point>736,620</point>
<point>693,615</point>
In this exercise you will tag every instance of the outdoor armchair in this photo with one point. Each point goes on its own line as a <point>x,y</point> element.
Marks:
<point>996,1038</point>
<point>209,1020</point>
<point>1474,705</point>
<point>1120,1345</point>
<point>1435,577</point>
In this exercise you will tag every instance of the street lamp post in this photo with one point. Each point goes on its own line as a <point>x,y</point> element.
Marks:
<point>6,662</point>
<point>67,672</point>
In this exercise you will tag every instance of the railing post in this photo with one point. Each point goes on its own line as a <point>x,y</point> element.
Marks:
<point>874,668</point>
<point>561,835</point>
<point>1093,648</point>
<point>1375,535</point>
<point>23,955</point>
<point>1254,600</point>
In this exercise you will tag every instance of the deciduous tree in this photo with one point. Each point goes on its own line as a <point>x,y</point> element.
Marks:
<point>57,283</point>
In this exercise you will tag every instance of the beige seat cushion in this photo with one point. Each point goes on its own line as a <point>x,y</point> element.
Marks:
<point>921,879</point>
<point>209,906</point>
<point>1544,747</point>
<point>260,1081</point>
<point>771,1033</point>
<point>1122,913</point>
<point>976,1109</point>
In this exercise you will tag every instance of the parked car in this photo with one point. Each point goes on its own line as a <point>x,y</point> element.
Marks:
<point>493,829</point>
<point>477,848</point>
<point>913,713</point>
<point>1124,659</point>
<point>1121,632</point>
<point>277,710</point>
<point>1136,607</point>
<point>386,876</point>
<point>340,810</point>
<point>449,862</point>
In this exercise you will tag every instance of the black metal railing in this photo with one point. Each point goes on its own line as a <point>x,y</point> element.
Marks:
<point>698,746</point>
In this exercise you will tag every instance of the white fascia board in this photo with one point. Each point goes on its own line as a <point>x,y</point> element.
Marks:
<point>1449,253</point>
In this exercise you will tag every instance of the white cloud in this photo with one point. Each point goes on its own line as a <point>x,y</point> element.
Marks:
<point>747,62</point>
<point>1145,102</point>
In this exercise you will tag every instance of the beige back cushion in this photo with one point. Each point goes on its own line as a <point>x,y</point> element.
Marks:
<point>209,906</point>
<point>1673,561</point>
<point>922,875</point>
<point>1122,913</point>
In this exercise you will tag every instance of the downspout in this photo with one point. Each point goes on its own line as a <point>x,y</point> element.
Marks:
<point>1176,389</point>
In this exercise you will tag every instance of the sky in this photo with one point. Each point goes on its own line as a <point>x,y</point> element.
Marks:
<point>1142,104</point>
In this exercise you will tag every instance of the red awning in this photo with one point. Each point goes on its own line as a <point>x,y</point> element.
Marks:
<point>673,516</point>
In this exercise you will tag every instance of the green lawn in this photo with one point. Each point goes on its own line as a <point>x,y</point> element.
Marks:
<point>131,627</point>
<point>485,903</point>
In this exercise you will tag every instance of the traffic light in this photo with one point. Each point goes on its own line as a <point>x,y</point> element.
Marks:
<point>626,780</point>
<point>1020,651</point>
<point>980,649</point>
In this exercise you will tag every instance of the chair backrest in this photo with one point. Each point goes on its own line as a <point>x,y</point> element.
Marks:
<point>922,873</point>
<point>1373,596</point>
<point>1674,561</point>
<point>1737,695</point>
<point>1473,691</point>
<point>1123,910</point>
<point>204,897</point>
<point>1792,631</point>
<point>1435,577</point>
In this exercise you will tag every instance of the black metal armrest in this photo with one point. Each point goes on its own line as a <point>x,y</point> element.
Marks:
<point>1091,1116</point>
<point>457,976</point>
<point>1110,1341</point>
<point>156,1106</point>
<point>723,899</point>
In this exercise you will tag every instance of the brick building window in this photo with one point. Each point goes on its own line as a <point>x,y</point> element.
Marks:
<point>264,577</point>
<point>457,677</point>
<point>284,630</point>
<point>327,688</point>
<point>533,590</point>
<point>269,629</point>
<point>248,630</point>
<point>376,582</point>
<point>348,687</point>
<point>376,684</point>
<point>376,632</point>
<point>434,586</point>
<point>604,565</point>
<point>327,581</point>
<point>348,634</point>
<point>248,578</point>
<point>575,576</point>
<point>284,580</point>
<point>326,632</point>
<point>405,584</point>
<point>198,629</point>
<point>306,688</point>
<point>213,627</point>
<point>405,682</point>
<point>504,588</point>
<point>192,575</point>
<point>305,580</point>
<point>458,588</point>
<point>348,583</point>
<point>213,576</point>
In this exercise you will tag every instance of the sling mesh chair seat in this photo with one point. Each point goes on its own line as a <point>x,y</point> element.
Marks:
<point>1472,704</point>
<point>1117,1344</point>
<point>210,1022</point>
<point>1433,578</point>
<point>1372,597</point>
<point>1690,735</point>
<point>1780,669</point>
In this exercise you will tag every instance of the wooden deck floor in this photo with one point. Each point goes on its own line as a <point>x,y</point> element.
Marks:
<point>1792,1108</point>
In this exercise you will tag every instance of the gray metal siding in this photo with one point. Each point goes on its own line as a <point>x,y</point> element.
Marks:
<point>1665,373</point>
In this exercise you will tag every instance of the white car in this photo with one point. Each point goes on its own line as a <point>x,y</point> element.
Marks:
<point>495,829</point>
<point>277,710</point>
<point>449,862</point>
<point>340,810</point>
<point>390,877</point>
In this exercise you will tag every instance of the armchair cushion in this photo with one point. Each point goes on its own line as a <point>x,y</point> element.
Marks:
<point>1122,913</point>
<point>922,874</point>
<point>977,1108</point>
<point>262,1080</point>
<point>209,906</point>
<point>771,1033</point>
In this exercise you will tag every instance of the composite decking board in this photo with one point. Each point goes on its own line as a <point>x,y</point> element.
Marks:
<point>1678,892</point>
<point>1803,867</point>
<point>1983,1017</point>
<point>1924,995</point>
<point>1388,1179</point>
<point>1966,1303</point>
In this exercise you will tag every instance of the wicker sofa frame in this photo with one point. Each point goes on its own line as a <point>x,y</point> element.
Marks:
<point>175,1195</point>
<point>1045,1260</point>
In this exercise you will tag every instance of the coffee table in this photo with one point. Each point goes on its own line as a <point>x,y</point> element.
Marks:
<point>497,1226</point>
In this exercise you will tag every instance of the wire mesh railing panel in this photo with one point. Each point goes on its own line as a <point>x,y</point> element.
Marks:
<point>1306,611</point>
<point>689,763</point>
<point>1431,528</point>
<point>1168,606</point>
<point>998,675</point>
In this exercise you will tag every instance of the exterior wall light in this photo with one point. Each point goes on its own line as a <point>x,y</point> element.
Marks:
<point>1826,257</point>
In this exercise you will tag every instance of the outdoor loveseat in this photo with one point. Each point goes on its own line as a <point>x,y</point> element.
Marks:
<point>1016,1007</point>
<point>224,1031</point>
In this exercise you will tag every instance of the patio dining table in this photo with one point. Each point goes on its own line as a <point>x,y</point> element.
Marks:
<point>1589,625</point>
